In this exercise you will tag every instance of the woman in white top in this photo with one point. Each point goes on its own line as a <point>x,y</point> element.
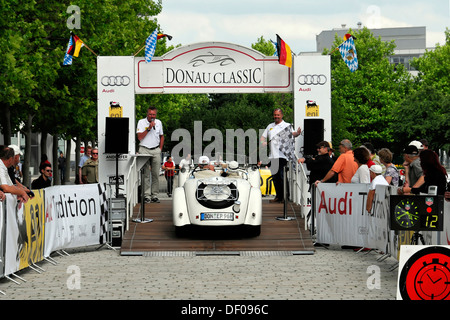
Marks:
<point>362,175</point>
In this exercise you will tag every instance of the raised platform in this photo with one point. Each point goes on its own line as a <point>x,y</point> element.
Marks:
<point>277,236</point>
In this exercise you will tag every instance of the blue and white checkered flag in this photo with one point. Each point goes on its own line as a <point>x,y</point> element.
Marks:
<point>348,53</point>
<point>68,58</point>
<point>150,46</point>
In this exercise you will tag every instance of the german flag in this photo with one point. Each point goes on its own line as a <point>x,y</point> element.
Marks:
<point>75,46</point>
<point>348,36</point>
<point>284,53</point>
<point>162,35</point>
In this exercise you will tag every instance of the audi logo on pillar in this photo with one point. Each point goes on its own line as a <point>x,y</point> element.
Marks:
<point>312,79</point>
<point>119,81</point>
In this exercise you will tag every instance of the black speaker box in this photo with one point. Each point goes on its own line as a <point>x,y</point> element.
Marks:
<point>313,133</point>
<point>116,135</point>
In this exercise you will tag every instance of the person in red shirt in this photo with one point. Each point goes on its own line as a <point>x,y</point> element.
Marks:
<point>169,172</point>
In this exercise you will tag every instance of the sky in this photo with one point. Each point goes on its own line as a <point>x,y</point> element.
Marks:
<point>297,22</point>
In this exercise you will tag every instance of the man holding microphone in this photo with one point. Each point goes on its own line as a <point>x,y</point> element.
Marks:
<point>151,137</point>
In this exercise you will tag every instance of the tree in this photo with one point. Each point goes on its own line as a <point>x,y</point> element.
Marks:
<point>362,101</point>
<point>39,91</point>
<point>425,113</point>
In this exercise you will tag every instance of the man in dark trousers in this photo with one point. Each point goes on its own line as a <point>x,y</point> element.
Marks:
<point>320,164</point>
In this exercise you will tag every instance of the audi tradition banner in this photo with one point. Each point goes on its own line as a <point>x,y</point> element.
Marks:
<point>24,232</point>
<point>74,217</point>
<point>58,217</point>
<point>342,217</point>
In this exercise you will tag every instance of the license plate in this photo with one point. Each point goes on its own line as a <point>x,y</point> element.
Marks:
<point>217,216</point>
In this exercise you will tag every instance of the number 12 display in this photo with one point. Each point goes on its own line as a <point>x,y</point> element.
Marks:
<point>416,212</point>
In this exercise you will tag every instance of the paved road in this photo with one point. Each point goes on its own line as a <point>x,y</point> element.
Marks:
<point>96,274</point>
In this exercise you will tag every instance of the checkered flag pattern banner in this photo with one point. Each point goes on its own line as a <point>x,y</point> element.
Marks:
<point>68,58</point>
<point>104,212</point>
<point>348,53</point>
<point>150,46</point>
<point>285,141</point>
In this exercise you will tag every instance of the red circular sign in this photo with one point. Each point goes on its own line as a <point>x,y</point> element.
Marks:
<point>426,275</point>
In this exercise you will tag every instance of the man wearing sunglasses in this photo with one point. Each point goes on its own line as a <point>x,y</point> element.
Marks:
<point>45,179</point>
<point>89,172</point>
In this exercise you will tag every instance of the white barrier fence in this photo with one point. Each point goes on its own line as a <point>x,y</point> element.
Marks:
<point>57,218</point>
<point>341,218</point>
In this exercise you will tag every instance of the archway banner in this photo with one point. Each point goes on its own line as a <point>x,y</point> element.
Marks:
<point>212,67</point>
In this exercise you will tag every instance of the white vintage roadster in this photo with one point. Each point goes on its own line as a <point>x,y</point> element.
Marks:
<point>223,196</point>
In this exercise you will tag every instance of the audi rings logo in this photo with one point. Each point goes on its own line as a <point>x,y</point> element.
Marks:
<point>312,79</point>
<point>115,81</point>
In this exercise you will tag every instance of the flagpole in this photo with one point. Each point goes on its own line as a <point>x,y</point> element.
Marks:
<point>335,49</point>
<point>84,44</point>
<point>140,49</point>
<point>89,49</point>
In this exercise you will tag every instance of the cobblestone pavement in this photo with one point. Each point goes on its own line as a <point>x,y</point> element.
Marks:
<point>101,273</point>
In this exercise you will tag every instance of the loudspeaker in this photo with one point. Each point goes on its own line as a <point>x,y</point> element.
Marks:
<point>116,135</point>
<point>312,135</point>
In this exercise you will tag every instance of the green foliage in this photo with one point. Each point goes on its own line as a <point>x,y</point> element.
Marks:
<point>434,67</point>
<point>362,101</point>
<point>425,113</point>
<point>379,102</point>
<point>33,40</point>
<point>265,47</point>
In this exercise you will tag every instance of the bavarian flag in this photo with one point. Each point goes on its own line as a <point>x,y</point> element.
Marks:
<point>348,52</point>
<point>150,44</point>
<point>284,53</point>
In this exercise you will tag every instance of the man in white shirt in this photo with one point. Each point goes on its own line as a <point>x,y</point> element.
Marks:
<point>278,159</point>
<point>6,185</point>
<point>151,137</point>
<point>186,162</point>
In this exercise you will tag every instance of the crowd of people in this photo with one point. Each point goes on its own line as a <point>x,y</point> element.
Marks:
<point>11,172</point>
<point>363,165</point>
<point>354,165</point>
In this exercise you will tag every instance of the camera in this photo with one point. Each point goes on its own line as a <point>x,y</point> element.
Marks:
<point>30,194</point>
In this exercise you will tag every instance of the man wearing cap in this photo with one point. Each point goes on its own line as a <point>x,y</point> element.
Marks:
<point>413,170</point>
<point>424,143</point>
<point>377,179</point>
<point>12,168</point>
<point>204,163</point>
<point>320,164</point>
<point>6,185</point>
<point>417,144</point>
